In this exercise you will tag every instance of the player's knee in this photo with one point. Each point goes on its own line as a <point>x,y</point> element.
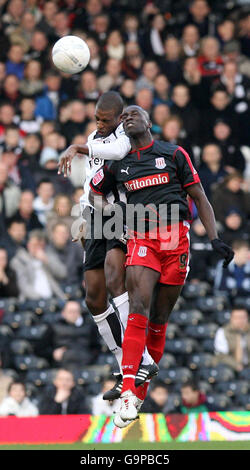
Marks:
<point>96,303</point>
<point>115,284</point>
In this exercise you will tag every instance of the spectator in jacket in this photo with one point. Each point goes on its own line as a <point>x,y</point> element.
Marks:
<point>70,254</point>
<point>232,341</point>
<point>17,403</point>
<point>75,339</point>
<point>235,279</point>
<point>229,195</point>
<point>63,397</point>
<point>232,157</point>
<point>201,253</point>
<point>26,212</point>
<point>8,284</point>
<point>192,399</point>
<point>9,194</point>
<point>211,169</point>
<point>17,172</point>
<point>158,399</point>
<point>37,273</point>
<point>14,237</point>
<point>44,201</point>
<point>186,111</point>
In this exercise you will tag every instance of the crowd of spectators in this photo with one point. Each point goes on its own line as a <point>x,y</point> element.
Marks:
<point>188,65</point>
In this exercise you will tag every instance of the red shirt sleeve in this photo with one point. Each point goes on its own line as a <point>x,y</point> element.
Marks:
<point>186,172</point>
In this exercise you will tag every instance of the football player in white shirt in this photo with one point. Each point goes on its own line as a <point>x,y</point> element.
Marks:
<point>104,260</point>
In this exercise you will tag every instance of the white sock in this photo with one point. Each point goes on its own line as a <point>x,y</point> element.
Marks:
<point>110,328</point>
<point>122,304</point>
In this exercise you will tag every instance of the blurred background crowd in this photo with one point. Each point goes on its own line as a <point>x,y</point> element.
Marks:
<point>188,64</point>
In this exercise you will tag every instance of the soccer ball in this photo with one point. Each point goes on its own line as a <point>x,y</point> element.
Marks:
<point>70,54</point>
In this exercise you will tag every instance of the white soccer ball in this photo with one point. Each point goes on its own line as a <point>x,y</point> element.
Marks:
<point>70,54</point>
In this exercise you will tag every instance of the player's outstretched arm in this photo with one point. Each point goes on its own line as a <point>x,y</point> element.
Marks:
<point>206,214</point>
<point>64,165</point>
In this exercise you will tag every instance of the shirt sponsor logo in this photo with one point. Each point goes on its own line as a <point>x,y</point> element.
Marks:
<point>147,181</point>
<point>98,177</point>
<point>142,251</point>
<point>160,163</point>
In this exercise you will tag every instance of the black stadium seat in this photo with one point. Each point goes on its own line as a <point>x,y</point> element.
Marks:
<point>244,401</point>
<point>40,377</point>
<point>207,345</point>
<point>11,373</point>
<point>195,361</point>
<point>167,361</point>
<point>6,331</point>
<point>219,402</point>
<point>212,303</point>
<point>222,317</point>
<point>173,331</point>
<point>181,346</point>
<point>86,377</point>
<point>242,302</point>
<point>20,346</point>
<point>25,362</point>
<point>175,375</point>
<point>193,291</point>
<point>8,305</point>
<point>216,374</point>
<point>186,317</point>
<point>35,332</point>
<point>203,331</point>
<point>17,320</point>
<point>233,388</point>
<point>245,374</point>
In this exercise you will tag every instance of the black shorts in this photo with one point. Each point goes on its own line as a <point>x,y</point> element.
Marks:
<point>96,250</point>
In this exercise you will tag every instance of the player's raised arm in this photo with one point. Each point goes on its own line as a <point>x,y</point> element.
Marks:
<point>206,214</point>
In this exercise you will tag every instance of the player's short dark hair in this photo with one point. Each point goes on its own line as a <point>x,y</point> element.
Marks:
<point>111,100</point>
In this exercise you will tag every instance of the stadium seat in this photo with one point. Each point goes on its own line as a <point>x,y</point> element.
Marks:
<point>203,331</point>
<point>87,376</point>
<point>40,377</point>
<point>11,373</point>
<point>234,388</point>
<point>222,317</point>
<point>25,362</point>
<point>173,331</point>
<point>93,389</point>
<point>212,303</point>
<point>219,373</point>
<point>205,387</point>
<point>175,375</point>
<point>40,306</point>
<point>6,331</point>
<point>243,302</point>
<point>35,332</point>
<point>51,317</point>
<point>207,345</point>
<point>181,346</point>
<point>8,305</point>
<point>104,359</point>
<point>186,317</point>
<point>244,401</point>
<point>219,402</point>
<point>195,361</point>
<point>72,292</point>
<point>167,361</point>
<point>20,346</point>
<point>193,291</point>
<point>17,320</point>
<point>245,374</point>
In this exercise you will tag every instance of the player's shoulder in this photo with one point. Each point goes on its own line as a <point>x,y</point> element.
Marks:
<point>165,148</point>
<point>119,131</point>
<point>92,135</point>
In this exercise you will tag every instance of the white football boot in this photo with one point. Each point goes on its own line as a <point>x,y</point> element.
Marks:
<point>131,405</point>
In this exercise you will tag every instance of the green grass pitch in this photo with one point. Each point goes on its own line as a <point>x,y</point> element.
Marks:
<point>126,445</point>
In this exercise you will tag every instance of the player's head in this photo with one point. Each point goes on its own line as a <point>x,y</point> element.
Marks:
<point>108,111</point>
<point>136,121</point>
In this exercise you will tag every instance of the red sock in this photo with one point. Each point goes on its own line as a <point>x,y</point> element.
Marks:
<point>156,339</point>
<point>155,343</point>
<point>132,348</point>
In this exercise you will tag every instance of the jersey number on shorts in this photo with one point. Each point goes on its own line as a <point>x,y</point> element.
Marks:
<point>183,260</point>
